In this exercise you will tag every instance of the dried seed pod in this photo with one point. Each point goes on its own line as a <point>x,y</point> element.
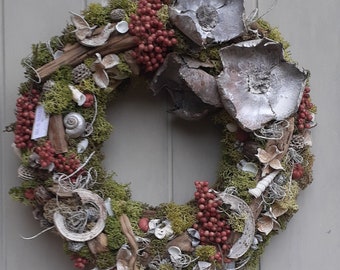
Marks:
<point>117,14</point>
<point>80,73</point>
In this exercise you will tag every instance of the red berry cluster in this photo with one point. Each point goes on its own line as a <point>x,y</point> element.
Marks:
<point>304,116</point>
<point>211,224</point>
<point>79,262</point>
<point>46,154</point>
<point>25,108</point>
<point>298,171</point>
<point>89,100</point>
<point>154,39</point>
<point>66,164</point>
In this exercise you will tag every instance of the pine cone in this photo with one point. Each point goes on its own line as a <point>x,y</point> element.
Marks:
<point>117,14</point>
<point>80,73</point>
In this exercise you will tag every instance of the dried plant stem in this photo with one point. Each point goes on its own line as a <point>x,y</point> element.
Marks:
<point>75,54</point>
<point>128,232</point>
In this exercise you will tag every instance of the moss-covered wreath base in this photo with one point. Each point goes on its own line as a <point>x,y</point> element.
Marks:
<point>214,64</point>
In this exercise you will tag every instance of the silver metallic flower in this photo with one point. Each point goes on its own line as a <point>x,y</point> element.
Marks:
<point>257,85</point>
<point>208,21</point>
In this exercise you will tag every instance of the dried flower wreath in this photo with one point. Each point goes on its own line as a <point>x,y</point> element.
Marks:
<point>213,63</point>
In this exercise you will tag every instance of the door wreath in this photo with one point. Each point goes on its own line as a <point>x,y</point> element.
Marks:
<point>213,63</point>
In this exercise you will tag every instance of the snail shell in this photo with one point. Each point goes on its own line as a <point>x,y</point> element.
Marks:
<point>75,124</point>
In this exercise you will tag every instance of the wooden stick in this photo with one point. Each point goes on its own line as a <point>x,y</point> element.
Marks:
<point>77,53</point>
<point>128,232</point>
<point>56,134</point>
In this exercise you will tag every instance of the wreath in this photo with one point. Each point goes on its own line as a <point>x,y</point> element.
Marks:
<point>213,63</point>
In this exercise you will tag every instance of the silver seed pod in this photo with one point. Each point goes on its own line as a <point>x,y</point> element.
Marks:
<point>75,124</point>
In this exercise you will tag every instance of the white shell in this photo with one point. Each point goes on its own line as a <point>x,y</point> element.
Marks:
<point>77,96</point>
<point>82,145</point>
<point>202,265</point>
<point>122,27</point>
<point>195,236</point>
<point>86,196</point>
<point>263,184</point>
<point>100,39</point>
<point>175,253</point>
<point>110,60</point>
<point>108,207</point>
<point>75,124</point>
<point>248,167</point>
<point>162,231</point>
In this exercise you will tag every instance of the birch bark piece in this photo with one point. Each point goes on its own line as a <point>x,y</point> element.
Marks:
<point>86,196</point>
<point>245,241</point>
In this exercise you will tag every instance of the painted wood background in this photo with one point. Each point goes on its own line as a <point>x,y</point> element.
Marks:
<point>162,156</point>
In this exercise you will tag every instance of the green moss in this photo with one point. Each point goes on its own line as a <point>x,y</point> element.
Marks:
<point>129,6</point>
<point>166,266</point>
<point>115,191</point>
<point>123,67</point>
<point>58,100</point>
<point>163,14</point>
<point>63,74</point>
<point>308,161</point>
<point>204,253</point>
<point>105,260</point>
<point>157,245</point>
<point>114,234</point>
<point>101,130</point>
<point>237,221</point>
<point>182,217</point>
<point>68,36</point>
<point>96,14</point>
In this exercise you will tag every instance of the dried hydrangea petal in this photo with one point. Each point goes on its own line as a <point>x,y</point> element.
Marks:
<point>211,21</point>
<point>257,85</point>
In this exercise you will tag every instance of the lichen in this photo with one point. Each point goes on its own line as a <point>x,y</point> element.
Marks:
<point>96,14</point>
<point>308,161</point>
<point>237,221</point>
<point>105,260</point>
<point>182,217</point>
<point>129,6</point>
<point>59,99</point>
<point>163,14</point>
<point>205,253</point>
<point>114,190</point>
<point>63,74</point>
<point>115,237</point>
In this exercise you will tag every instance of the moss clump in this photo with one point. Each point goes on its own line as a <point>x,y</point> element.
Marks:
<point>101,130</point>
<point>182,217</point>
<point>166,266</point>
<point>204,253</point>
<point>308,161</point>
<point>157,245</point>
<point>105,260</point>
<point>96,14</point>
<point>68,36</point>
<point>163,14</point>
<point>58,100</point>
<point>129,6</point>
<point>114,190</point>
<point>237,221</point>
<point>115,237</point>
<point>63,74</point>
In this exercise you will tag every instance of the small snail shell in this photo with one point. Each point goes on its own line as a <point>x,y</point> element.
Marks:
<point>75,124</point>
<point>77,96</point>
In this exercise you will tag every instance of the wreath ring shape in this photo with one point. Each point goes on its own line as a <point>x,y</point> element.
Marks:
<point>212,63</point>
